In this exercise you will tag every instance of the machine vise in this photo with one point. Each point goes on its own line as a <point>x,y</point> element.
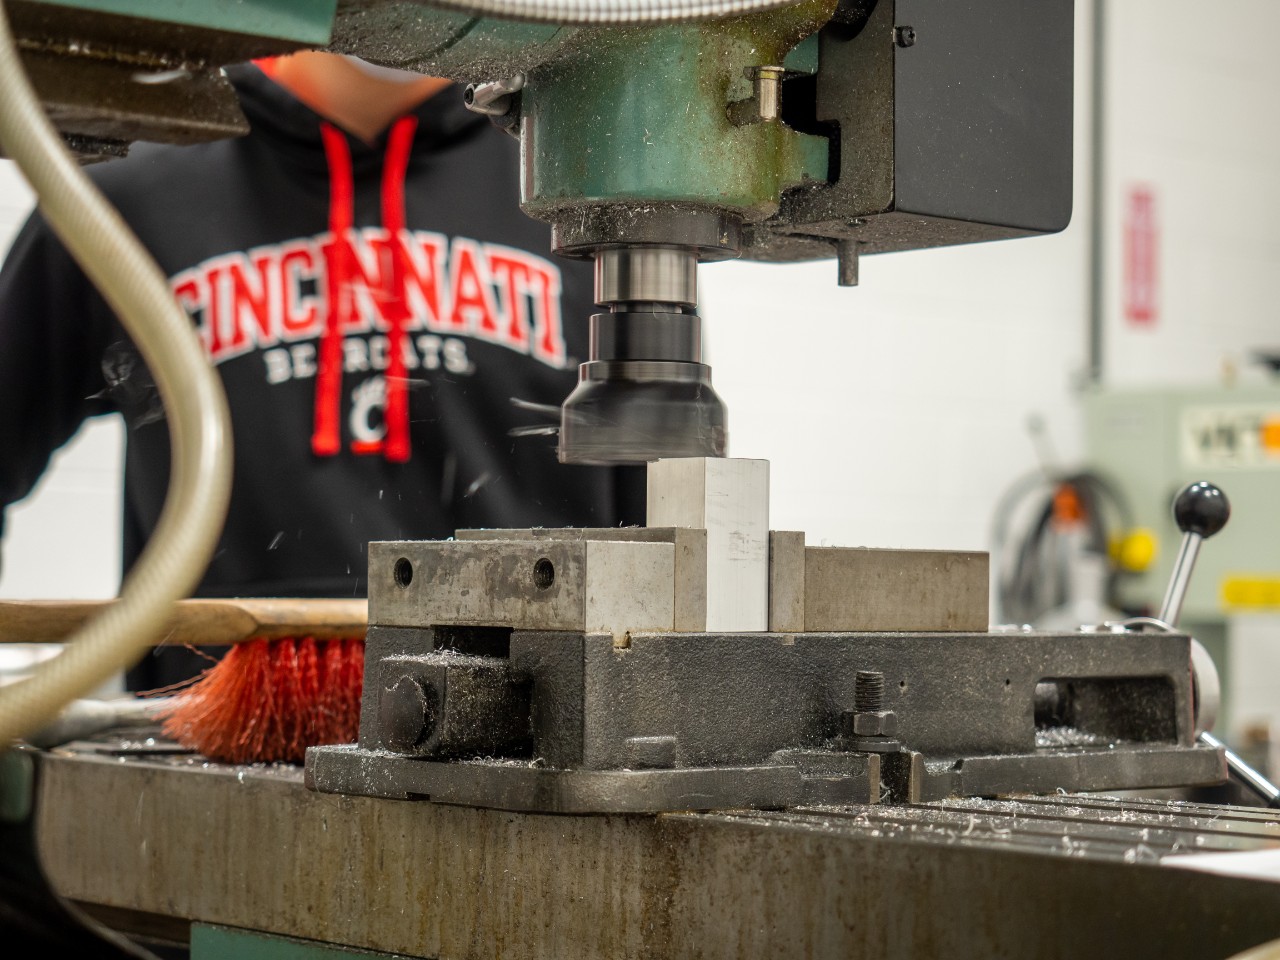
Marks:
<point>707,662</point>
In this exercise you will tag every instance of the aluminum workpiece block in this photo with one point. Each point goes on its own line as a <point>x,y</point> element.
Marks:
<point>730,500</point>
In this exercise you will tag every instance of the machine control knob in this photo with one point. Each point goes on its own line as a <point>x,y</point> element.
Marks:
<point>1201,508</point>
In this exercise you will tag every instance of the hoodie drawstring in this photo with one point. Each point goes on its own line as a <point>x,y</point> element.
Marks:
<point>326,435</point>
<point>394,168</point>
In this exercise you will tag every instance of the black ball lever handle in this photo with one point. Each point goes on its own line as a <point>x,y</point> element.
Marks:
<point>1201,508</point>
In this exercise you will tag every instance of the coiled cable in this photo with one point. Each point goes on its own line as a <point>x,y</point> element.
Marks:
<point>196,407</point>
<point>615,12</point>
<point>1030,577</point>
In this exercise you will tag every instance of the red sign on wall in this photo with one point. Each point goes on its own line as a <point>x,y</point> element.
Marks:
<point>1141,257</point>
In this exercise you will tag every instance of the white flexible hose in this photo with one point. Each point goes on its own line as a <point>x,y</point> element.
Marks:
<point>200,481</point>
<point>616,12</point>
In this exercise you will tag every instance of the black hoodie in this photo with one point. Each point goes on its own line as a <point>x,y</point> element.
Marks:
<point>305,256</point>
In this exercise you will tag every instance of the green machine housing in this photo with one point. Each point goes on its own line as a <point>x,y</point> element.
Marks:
<point>1151,442</point>
<point>817,129</point>
<point>902,123</point>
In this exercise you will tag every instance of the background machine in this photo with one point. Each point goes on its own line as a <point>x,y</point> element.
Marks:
<point>873,736</point>
<point>1150,441</point>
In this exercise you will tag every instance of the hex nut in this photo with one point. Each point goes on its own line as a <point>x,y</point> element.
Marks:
<point>882,723</point>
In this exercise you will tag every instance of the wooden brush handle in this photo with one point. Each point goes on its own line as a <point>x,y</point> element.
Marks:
<point>197,622</point>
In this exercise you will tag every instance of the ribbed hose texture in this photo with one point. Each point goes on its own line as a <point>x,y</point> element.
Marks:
<point>613,12</point>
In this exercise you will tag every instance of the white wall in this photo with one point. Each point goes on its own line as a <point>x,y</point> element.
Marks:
<point>15,202</point>
<point>1194,111</point>
<point>895,413</point>
<point>63,541</point>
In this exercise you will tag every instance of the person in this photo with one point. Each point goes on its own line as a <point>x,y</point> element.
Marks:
<point>391,330</point>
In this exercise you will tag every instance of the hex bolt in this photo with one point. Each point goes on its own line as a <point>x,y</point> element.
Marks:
<point>847,252</point>
<point>493,99</point>
<point>868,691</point>
<point>868,727</point>
<point>765,103</point>
<point>766,82</point>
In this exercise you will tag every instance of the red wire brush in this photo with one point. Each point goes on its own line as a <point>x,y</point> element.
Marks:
<point>291,680</point>
<point>268,700</point>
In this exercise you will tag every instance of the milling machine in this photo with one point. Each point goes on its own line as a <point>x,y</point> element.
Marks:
<point>791,131</point>
<point>871,745</point>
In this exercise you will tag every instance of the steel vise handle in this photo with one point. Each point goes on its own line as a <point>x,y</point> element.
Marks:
<point>1200,511</point>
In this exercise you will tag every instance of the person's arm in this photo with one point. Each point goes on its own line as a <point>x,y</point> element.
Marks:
<point>54,331</point>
